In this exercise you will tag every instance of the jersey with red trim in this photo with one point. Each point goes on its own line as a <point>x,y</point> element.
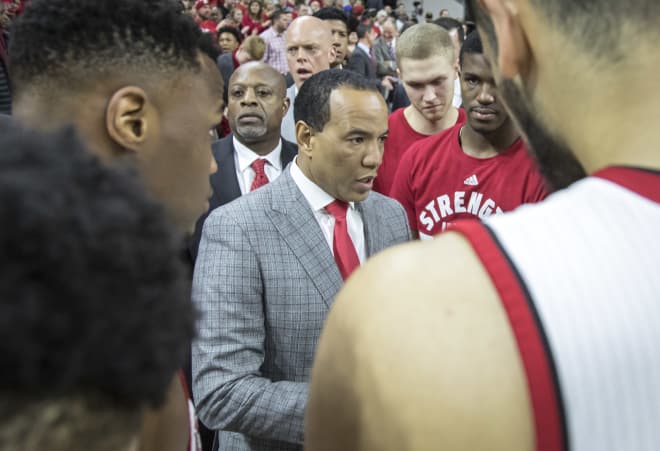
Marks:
<point>578,276</point>
<point>400,137</point>
<point>438,183</point>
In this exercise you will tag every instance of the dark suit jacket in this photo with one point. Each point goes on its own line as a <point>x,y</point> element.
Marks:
<point>361,63</point>
<point>382,55</point>
<point>224,183</point>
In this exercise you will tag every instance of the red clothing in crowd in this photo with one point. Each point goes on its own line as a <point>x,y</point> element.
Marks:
<point>401,136</point>
<point>437,183</point>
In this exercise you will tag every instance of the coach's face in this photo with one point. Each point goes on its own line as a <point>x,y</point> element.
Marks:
<point>344,157</point>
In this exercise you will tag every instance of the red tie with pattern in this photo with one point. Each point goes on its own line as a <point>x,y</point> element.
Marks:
<point>345,255</point>
<point>260,178</point>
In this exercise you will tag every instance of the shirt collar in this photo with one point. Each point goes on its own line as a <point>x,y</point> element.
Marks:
<point>316,197</point>
<point>366,49</point>
<point>246,156</point>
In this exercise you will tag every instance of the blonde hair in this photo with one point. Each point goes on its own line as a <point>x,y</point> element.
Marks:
<point>255,47</point>
<point>424,41</point>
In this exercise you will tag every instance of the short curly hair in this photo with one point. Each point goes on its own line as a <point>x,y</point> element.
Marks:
<point>94,296</point>
<point>70,43</point>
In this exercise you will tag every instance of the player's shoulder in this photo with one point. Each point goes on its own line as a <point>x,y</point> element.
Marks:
<point>426,274</point>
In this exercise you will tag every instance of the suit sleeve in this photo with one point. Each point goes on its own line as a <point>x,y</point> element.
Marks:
<point>402,189</point>
<point>357,64</point>
<point>229,390</point>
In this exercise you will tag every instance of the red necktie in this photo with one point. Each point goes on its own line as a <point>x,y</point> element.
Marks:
<point>345,255</point>
<point>260,178</point>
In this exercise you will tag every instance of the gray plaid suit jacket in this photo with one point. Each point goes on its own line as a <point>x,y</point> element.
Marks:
<point>264,280</point>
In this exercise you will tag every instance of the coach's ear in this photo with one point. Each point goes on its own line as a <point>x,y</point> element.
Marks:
<point>514,54</point>
<point>129,117</point>
<point>304,136</point>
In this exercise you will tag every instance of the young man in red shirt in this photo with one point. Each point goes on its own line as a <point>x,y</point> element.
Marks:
<point>427,68</point>
<point>475,169</point>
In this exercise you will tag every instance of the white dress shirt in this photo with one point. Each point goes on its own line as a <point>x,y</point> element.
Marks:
<point>243,159</point>
<point>318,200</point>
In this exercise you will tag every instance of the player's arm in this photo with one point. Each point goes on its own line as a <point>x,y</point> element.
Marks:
<point>417,354</point>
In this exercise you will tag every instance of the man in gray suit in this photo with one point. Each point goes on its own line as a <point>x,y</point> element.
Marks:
<point>272,261</point>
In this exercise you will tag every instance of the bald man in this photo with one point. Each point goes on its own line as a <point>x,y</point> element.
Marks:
<point>256,104</point>
<point>542,332</point>
<point>309,49</point>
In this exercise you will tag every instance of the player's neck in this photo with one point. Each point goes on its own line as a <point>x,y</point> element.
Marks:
<point>487,145</point>
<point>422,125</point>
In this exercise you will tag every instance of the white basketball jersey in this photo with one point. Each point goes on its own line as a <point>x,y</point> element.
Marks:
<point>579,276</point>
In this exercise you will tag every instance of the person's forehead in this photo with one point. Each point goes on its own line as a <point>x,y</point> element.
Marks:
<point>227,35</point>
<point>476,63</point>
<point>254,77</point>
<point>346,101</point>
<point>336,24</point>
<point>427,68</point>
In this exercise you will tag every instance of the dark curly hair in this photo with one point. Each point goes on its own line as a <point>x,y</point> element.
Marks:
<point>94,298</point>
<point>312,104</point>
<point>70,42</point>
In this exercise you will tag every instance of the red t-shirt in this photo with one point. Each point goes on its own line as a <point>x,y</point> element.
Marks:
<point>401,136</point>
<point>438,183</point>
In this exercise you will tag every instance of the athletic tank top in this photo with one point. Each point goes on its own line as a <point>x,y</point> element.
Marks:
<point>579,277</point>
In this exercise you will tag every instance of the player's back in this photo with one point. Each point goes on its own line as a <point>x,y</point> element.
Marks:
<point>585,265</point>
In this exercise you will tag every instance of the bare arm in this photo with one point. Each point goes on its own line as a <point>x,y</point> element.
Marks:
<point>417,354</point>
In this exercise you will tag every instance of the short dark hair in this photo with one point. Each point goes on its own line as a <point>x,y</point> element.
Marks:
<point>74,42</point>
<point>450,24</point>
<point>471,45</point>
<point>94,296</point>
<point>362,30</point>
<point>312,104</point>
<point>232,30</point>
<point>331,13</point>
<point>278,13</point>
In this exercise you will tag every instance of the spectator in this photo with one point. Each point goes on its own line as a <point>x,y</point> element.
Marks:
<point>309,50</point>
<point>229,38</point>
<point>94,298</point>
<point>253,22</point>
<point>384,49</point>
<point>427,69</point>
<point>338,23</point>
<point>257,103</point>
<point>251,49</point>
<point>470,170</point>
<point>275,41</point>
<point>271,262</point>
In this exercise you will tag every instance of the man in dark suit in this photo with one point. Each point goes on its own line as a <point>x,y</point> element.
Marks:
<point>271,263</point>
<point>257,102</point>
<point>363,61</point>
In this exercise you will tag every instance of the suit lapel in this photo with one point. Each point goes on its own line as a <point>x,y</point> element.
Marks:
<point>224,182</point>
<point>373,231</point>
<point>295,222</point>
